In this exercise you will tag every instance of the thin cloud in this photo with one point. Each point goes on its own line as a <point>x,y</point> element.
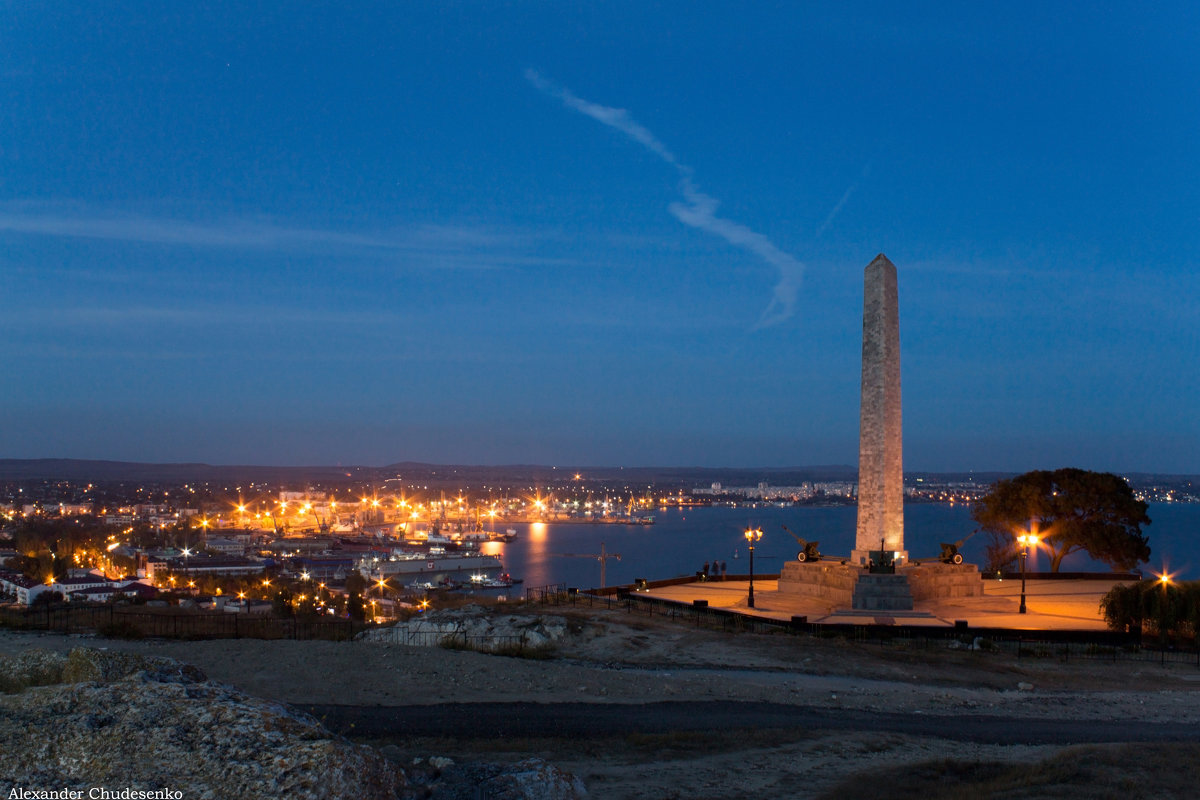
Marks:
<point>613,117</point>
<point>697,209</point>
<point>110,317</point>
<point>829,218</point>
<point>832,214</point>
<point>433,246</point>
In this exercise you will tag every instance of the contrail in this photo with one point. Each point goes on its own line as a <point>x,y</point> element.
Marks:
<point>829,219</point>
<point>697,209</point>
<point>866,170</point>
<point>613,117</point>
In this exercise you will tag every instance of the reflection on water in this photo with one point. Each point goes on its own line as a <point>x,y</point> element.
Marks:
<point>683,539</point>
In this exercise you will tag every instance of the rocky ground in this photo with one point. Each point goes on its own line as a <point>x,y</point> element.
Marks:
<point>97,718</point>
<point>610,657</point>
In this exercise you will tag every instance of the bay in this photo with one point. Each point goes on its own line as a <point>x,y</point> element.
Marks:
<point>682,540</point>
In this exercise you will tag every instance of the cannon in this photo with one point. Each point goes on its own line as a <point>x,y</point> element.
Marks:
<point>950,554</point>
<point>809,551</point>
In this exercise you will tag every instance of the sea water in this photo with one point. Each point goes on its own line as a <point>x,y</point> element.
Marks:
<point>682,540</point>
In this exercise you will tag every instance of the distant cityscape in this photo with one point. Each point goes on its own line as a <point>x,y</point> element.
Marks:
<point>510,492</point>
<point>314,540</point>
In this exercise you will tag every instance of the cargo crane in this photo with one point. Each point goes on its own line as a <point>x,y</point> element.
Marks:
<point>808,550</point>
<point>602,557</point>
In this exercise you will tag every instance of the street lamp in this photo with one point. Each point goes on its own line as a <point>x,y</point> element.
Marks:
<point>752,535</point>
<point>1026,540</point>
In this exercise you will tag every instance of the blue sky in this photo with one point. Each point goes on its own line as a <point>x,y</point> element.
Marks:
<point>619,233</point>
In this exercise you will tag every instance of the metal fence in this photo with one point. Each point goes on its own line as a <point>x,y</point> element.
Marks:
<point>1067,646</point>
<point>172,624</point>
<point>553,594</point>
<point>449,639</point>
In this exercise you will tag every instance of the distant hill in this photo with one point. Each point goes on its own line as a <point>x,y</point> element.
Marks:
<point>448,476</point>
<point>441,475</point>
<point>130,471</point>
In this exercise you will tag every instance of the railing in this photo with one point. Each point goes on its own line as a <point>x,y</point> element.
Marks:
<point>448,639</point>
<point>132,623</point>
<point>1061,645</point>
<point>553,594</point>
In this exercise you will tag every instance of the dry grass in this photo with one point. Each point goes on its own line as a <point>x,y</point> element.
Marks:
<point>1103,772</point>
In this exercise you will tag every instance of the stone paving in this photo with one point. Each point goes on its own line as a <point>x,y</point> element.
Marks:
<point>1051,604</point>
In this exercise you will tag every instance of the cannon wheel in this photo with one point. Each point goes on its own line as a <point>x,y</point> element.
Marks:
<point>957,558</point>
<point>802,556</point>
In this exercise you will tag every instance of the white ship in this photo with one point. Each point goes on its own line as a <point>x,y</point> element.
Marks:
<point>436,567</point>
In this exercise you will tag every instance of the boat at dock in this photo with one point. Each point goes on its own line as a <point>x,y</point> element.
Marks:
<point>501,581</point>
<point>437,567</point>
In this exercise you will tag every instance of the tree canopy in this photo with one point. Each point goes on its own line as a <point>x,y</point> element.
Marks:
<point>1071,510</point>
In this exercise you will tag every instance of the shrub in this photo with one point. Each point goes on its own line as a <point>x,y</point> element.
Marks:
<point>1170,609</point>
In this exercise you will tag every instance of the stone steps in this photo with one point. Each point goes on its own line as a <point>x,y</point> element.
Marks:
<point>882,593</point>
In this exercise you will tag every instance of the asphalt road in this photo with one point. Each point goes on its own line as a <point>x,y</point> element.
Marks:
<point>507,720</point>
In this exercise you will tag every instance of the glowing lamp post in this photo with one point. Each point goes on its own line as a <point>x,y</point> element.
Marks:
<point>752,535</point>
<point>1026,540</point>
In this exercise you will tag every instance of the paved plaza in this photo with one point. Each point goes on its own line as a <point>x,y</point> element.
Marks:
<point>1051,604</point>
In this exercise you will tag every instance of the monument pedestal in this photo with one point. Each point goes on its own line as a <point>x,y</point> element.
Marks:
<point>933,580</point>
<point>830,581</point>
<point>882,592</point>
<point>843,585</point>
<point>862,558</point>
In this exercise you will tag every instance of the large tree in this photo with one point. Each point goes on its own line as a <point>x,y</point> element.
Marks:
<point>1071,510</point>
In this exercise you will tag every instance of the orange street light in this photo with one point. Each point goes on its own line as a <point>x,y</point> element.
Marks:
<point>752,535</point>
<point>1026,540</point>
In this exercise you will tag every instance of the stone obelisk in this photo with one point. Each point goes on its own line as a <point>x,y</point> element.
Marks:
<point>880,462</point>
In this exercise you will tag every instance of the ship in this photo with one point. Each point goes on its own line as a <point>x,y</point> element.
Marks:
<point>502,581</point>
<point>437,567</point>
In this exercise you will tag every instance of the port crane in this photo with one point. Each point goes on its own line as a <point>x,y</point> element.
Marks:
<point>603,556</point>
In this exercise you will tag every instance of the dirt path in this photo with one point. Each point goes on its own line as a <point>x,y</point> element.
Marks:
<point>550,720</point>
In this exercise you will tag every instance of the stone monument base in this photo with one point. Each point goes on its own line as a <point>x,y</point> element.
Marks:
<point>882,592</point>
<point>862,558</point>
<point>934,580</point>
<point>830,581</point>
<point>837,583</point>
